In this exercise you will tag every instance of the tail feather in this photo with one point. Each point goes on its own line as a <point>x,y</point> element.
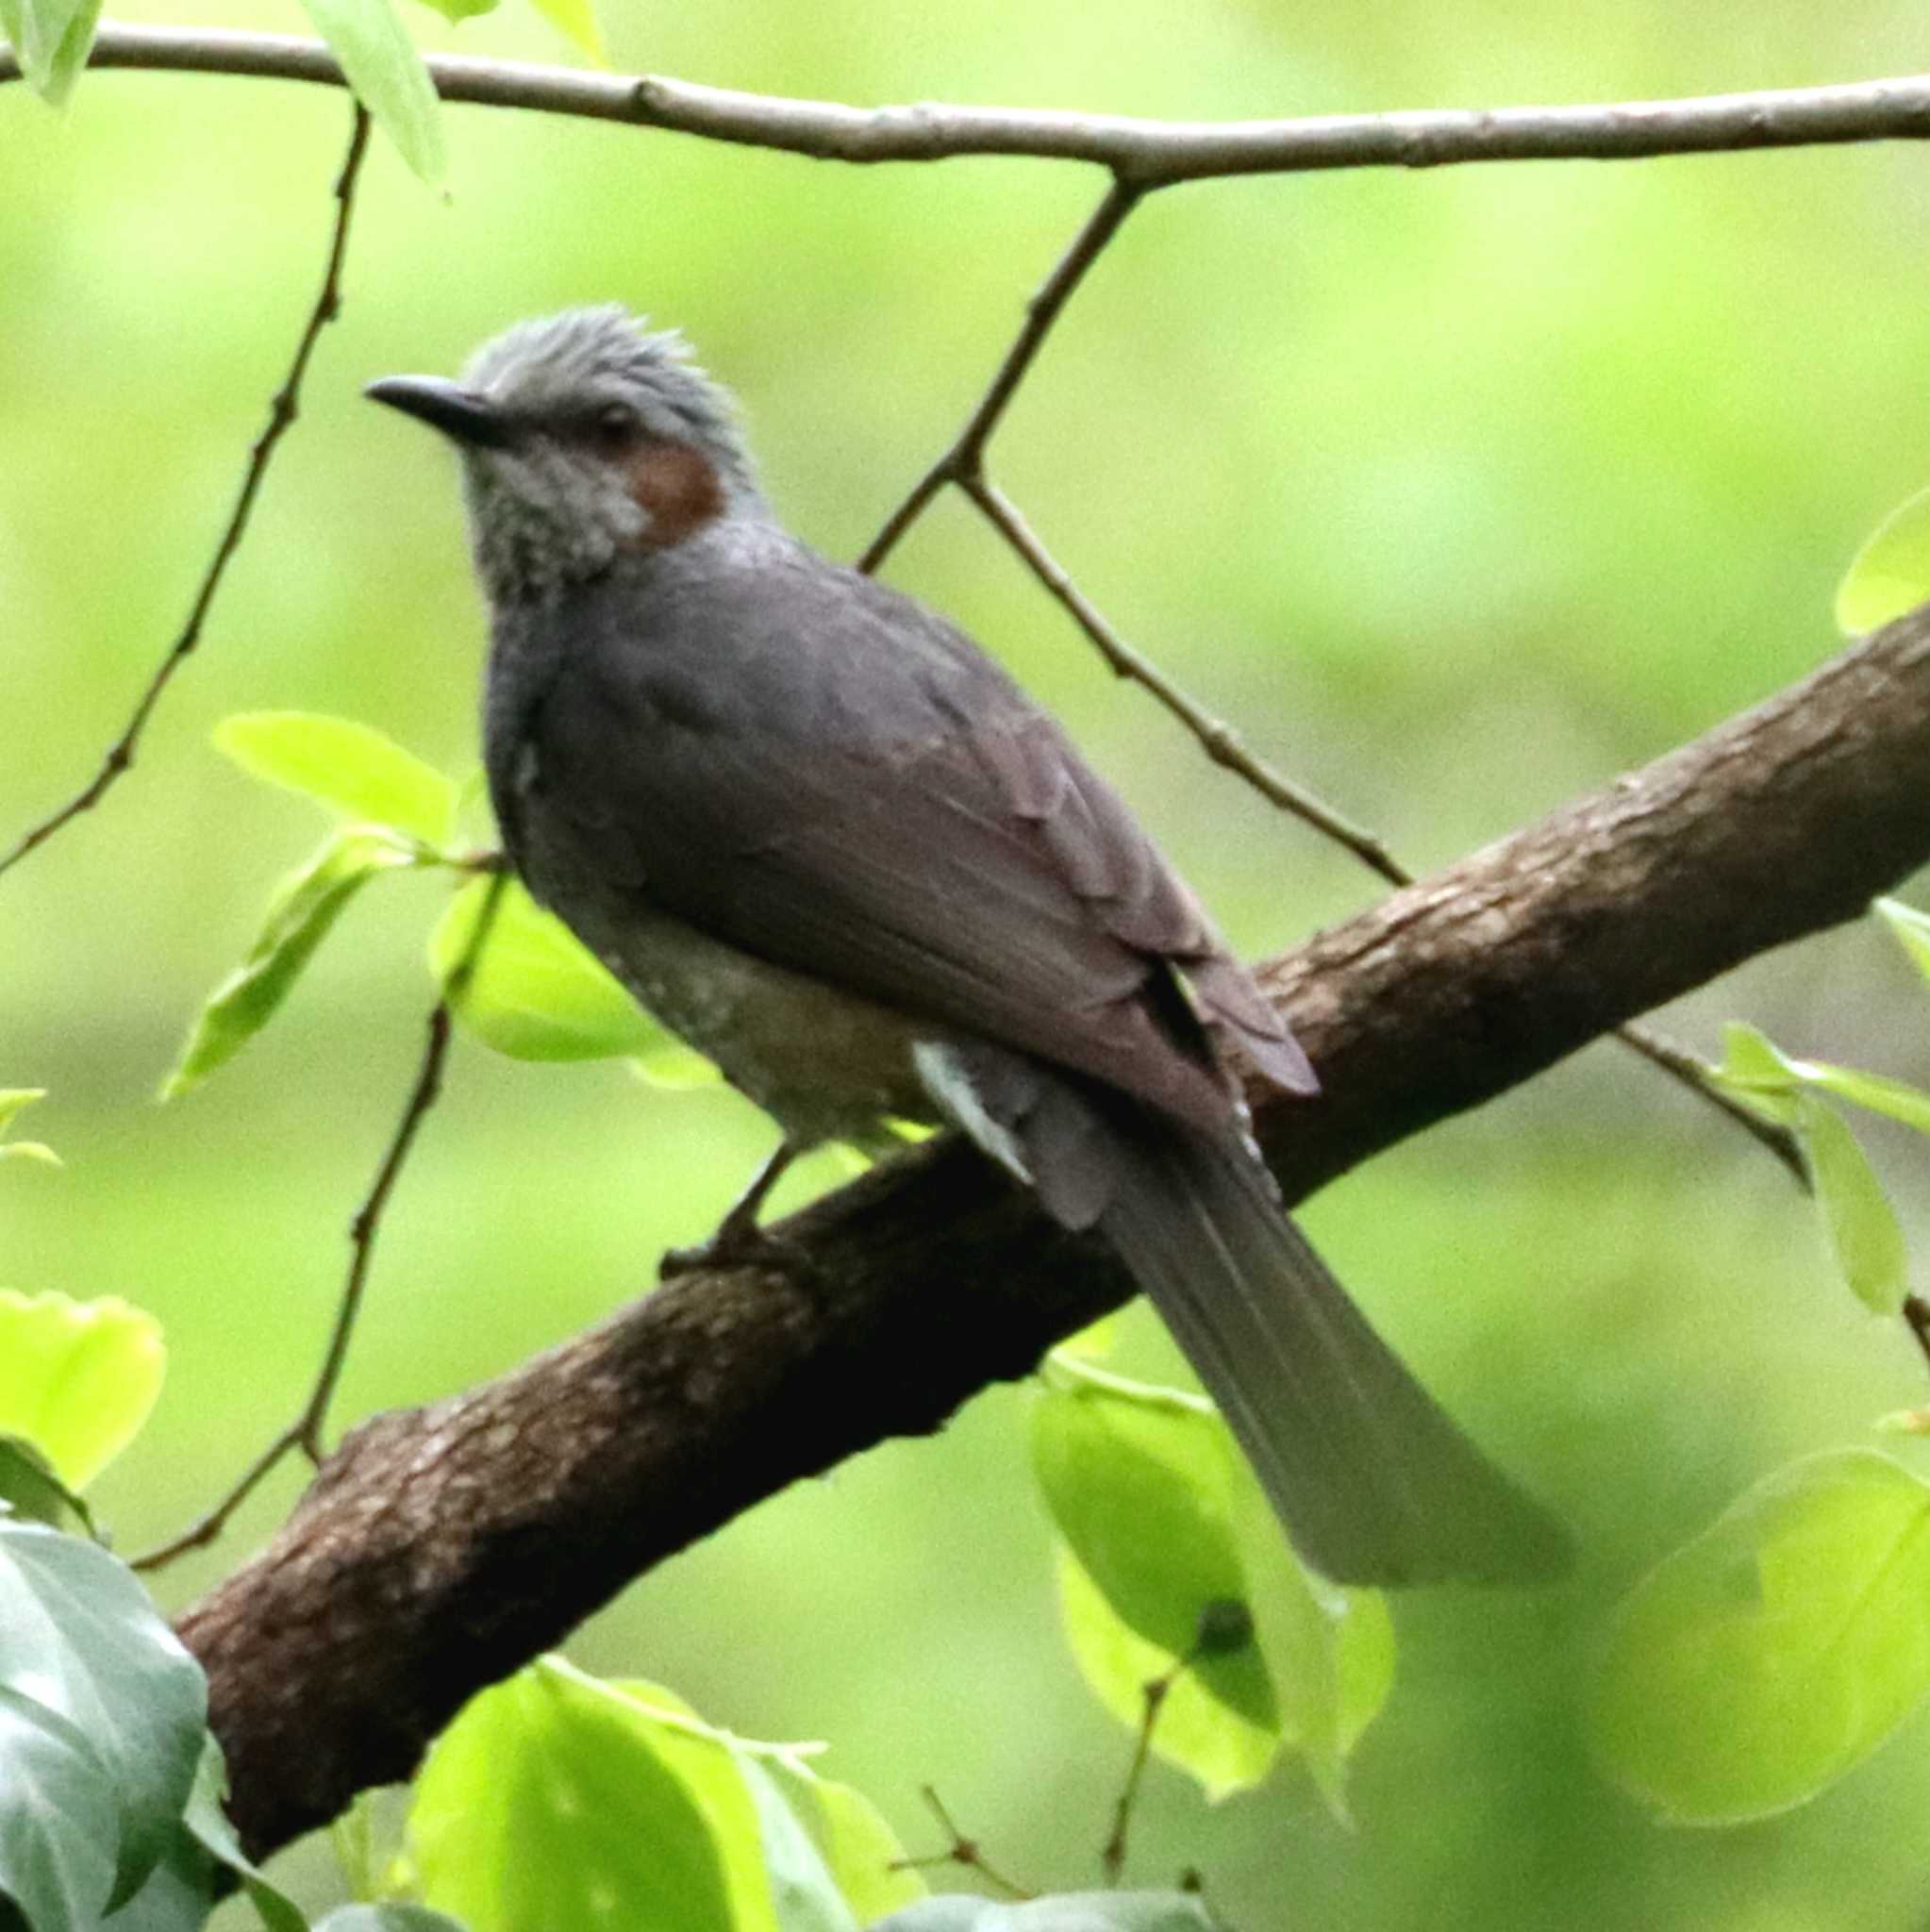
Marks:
<point>1372,1480</point>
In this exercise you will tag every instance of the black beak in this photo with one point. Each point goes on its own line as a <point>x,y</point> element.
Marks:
<point>458,412</point>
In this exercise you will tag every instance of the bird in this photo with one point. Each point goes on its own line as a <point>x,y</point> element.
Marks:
<point>824,837</point>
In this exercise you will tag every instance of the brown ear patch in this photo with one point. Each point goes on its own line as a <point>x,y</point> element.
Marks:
<point>676,488</point>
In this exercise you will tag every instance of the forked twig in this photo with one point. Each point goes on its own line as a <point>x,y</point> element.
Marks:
<point>966,456</point>
<point>304,1432</point>
<point>963,1851</point>
<point>282,411</point>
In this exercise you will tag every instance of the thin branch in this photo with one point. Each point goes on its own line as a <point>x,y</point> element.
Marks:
<point>962,1851</point>
<point>282,411</point>
<point>964,461</point>
<point>1217,739</point>
<point>1223,745</point>
<point>1146,152</point>
<point>1154,1691</point>
<point>304,1432</point>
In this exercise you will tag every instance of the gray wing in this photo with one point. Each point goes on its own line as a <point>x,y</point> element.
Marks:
<point>821,771</point>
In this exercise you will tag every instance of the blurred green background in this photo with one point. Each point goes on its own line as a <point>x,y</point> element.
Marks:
<point>1458,491</point>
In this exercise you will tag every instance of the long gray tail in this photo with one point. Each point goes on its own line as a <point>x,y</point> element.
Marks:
<point>1374,1481</point>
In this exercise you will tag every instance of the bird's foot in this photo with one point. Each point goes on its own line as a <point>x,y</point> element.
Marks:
<point>739,1245</point>
<point>747,1245</point>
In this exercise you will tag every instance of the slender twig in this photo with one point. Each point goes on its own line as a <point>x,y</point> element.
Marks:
<point>282,411</point>
<point>1223,745</point>
<point>1217,739</point>
<point>1143,151</point>
<point>963,1851</point>
<point>304,1432</point>
<point>964,460</point>
<point>1113,1856</point>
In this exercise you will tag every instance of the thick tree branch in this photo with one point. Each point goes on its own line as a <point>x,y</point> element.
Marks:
<point>444,1546</point>
<point>1145,154</point>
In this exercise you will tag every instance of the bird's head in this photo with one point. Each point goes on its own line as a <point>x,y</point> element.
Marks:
<point>583,436</point>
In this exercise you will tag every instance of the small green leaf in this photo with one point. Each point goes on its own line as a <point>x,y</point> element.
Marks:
<point>207,1822</point>
<point>1329,1651</point>
<point>389,78</point>
<point>804,1896</point>
<point>1756,1073</point>
<point>1911,930</point>
<point>83,1639</point>
<point>1763,1660</point>
<point>1216,1744</point>
<point>547,1804</point>
<point>576,20</point>
<point>52,40</point>
<point>535,992</point>
<point>1138,1482</point>
<point>1891,574</point>
<point>304,906</point>
<point>76,1378</point>
<point>30,1488</point>
<point>351,768</point>
<point>862,1851</point>
<point>1864,1233</point>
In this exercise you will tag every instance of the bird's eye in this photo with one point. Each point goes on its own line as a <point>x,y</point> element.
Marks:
<point>615,426</point>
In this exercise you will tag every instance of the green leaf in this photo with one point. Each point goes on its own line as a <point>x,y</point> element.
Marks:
<point>178,1896</point>
<point>1139,1481</point>
<point>1755,1068</point>
<point>1891,574</point>
<point>31,1489</point>
<point>1216,1744</point>
<point>576,20</point>
<point>548,1802</point>
<point>351,768</point>
<point>1864,1233</point>
<point>1328,1650</point>
<point>1754,1071</point>
<point>535,992</point>
<point>78,1379</point>
<point>81,1638</point>
<point>52,38</point>
<point>804,1896</point>
<point>388,76</point>
<point>304,906</point>
<point>865,1857</point>
<point>207,1824</point>
<point>560,1799</point>
<point>59,1821</point>
<point>1763,1660</point>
